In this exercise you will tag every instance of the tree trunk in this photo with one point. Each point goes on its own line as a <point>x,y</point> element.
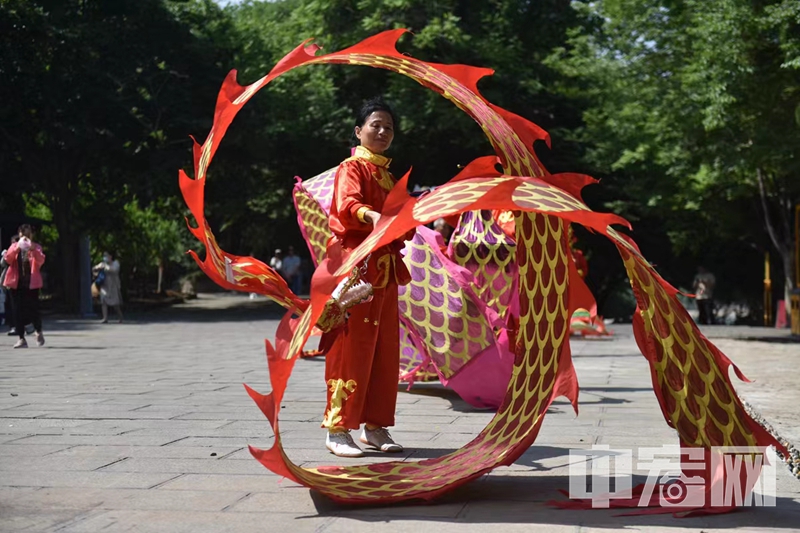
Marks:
<point>68,251</point>
<point>780,235</point>
<point>160,276</point>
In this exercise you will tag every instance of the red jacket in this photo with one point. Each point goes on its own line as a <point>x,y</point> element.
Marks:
<point>36,257</point>
<point>363,183</point>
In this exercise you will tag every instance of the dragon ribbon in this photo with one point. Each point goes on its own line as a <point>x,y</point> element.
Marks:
<point>689,375</point>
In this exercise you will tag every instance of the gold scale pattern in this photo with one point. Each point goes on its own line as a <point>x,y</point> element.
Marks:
<point>541,352</point>
<point>698,401</point>
<point>543,327</point>
<point>411,358</point>
<point>483,249</point>
<point>452,332</point>
<point>314,221</point>
<point>543,272</point>
<point>320,187</point>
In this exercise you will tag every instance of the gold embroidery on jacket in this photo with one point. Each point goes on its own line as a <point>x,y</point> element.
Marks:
<point>383,267</point>
<point>384,179</point>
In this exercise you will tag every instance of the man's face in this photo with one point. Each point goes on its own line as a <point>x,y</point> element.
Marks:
<point>377,132</point>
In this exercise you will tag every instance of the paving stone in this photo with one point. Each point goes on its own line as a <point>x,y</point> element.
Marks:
<point>157,452</point>
<point>261,482</point>
<point>195,522</point>
<point>445,511</point>
<point>123,480</point>
<point>408,525</point>
<point>215,442</point>
<point>31,450</point>
<point>185,466</point>
<point>53,463</point>
<point>15,520</point>
<point>92,440</point>
<point>13,426</point>
<point>297,502</point>
<point>113,429</point>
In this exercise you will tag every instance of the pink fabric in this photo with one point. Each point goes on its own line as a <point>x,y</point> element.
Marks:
<point>483,382</point>
<point>37,260</point>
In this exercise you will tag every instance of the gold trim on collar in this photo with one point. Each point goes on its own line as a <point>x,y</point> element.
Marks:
<point>365,153</point>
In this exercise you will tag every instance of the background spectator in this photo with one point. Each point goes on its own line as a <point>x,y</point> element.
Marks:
<point>23,277</point>
<point>704,283</point>
<point>292,272</point>
<point>110,288</point>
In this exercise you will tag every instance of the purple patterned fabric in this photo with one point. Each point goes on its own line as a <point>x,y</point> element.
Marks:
<point>481,246</point>
<point>441,310</point>
<point>415,363</point>
<point>320,187</point>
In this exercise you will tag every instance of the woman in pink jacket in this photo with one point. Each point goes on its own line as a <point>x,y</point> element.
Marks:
<point>24,279</point>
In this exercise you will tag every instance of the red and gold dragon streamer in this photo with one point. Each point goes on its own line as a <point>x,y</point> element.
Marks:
<point>690,376</point>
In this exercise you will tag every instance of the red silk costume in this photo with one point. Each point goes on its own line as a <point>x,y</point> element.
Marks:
<point>362,365</point>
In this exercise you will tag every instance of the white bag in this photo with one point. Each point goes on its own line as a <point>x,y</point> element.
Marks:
<point>350,292</point>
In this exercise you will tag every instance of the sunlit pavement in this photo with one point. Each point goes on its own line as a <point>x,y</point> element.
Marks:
<point>144,426</point>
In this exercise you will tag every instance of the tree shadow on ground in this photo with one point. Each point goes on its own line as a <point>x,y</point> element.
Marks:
<point>790,339</point>
<point>242,311</point>
<point>236,310</point>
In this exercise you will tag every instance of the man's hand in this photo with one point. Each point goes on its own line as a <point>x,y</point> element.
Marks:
<point>373,216</point>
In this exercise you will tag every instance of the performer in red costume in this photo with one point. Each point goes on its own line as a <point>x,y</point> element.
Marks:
<point>362,366</point>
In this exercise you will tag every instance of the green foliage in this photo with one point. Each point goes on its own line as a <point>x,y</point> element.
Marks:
<point>99,96</point>
<point>157,240</point>
<point>36,208</point>
<point>148,238</point>
<point>689,110</point>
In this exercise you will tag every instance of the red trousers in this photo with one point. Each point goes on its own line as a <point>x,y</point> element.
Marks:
<point>362,366</point>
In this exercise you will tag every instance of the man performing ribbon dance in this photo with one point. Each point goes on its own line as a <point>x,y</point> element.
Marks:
<point>688,373</point>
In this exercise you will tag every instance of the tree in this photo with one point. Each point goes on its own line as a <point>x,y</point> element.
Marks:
<point>301,123</point>
<point>690,111</point>
<point>104,93</point>
<point>153,239</point>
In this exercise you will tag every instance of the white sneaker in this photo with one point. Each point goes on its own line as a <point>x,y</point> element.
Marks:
<point>341,444</point>
<point>379,438</point>
<point>22,343</point>
<point>39,338</point>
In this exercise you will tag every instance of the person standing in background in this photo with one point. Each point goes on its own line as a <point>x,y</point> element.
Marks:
<point>110,290</point>
<point>3,296</point>
<point>444,229</point>
<point>24,279</point>
<point>291,271</point>
<point>704,283</point>
<point>8,308</point>
<point>276,262</point>
<point>9,302</point>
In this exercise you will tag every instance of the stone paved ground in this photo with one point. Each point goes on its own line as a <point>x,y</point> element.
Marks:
<point>144,426</point>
